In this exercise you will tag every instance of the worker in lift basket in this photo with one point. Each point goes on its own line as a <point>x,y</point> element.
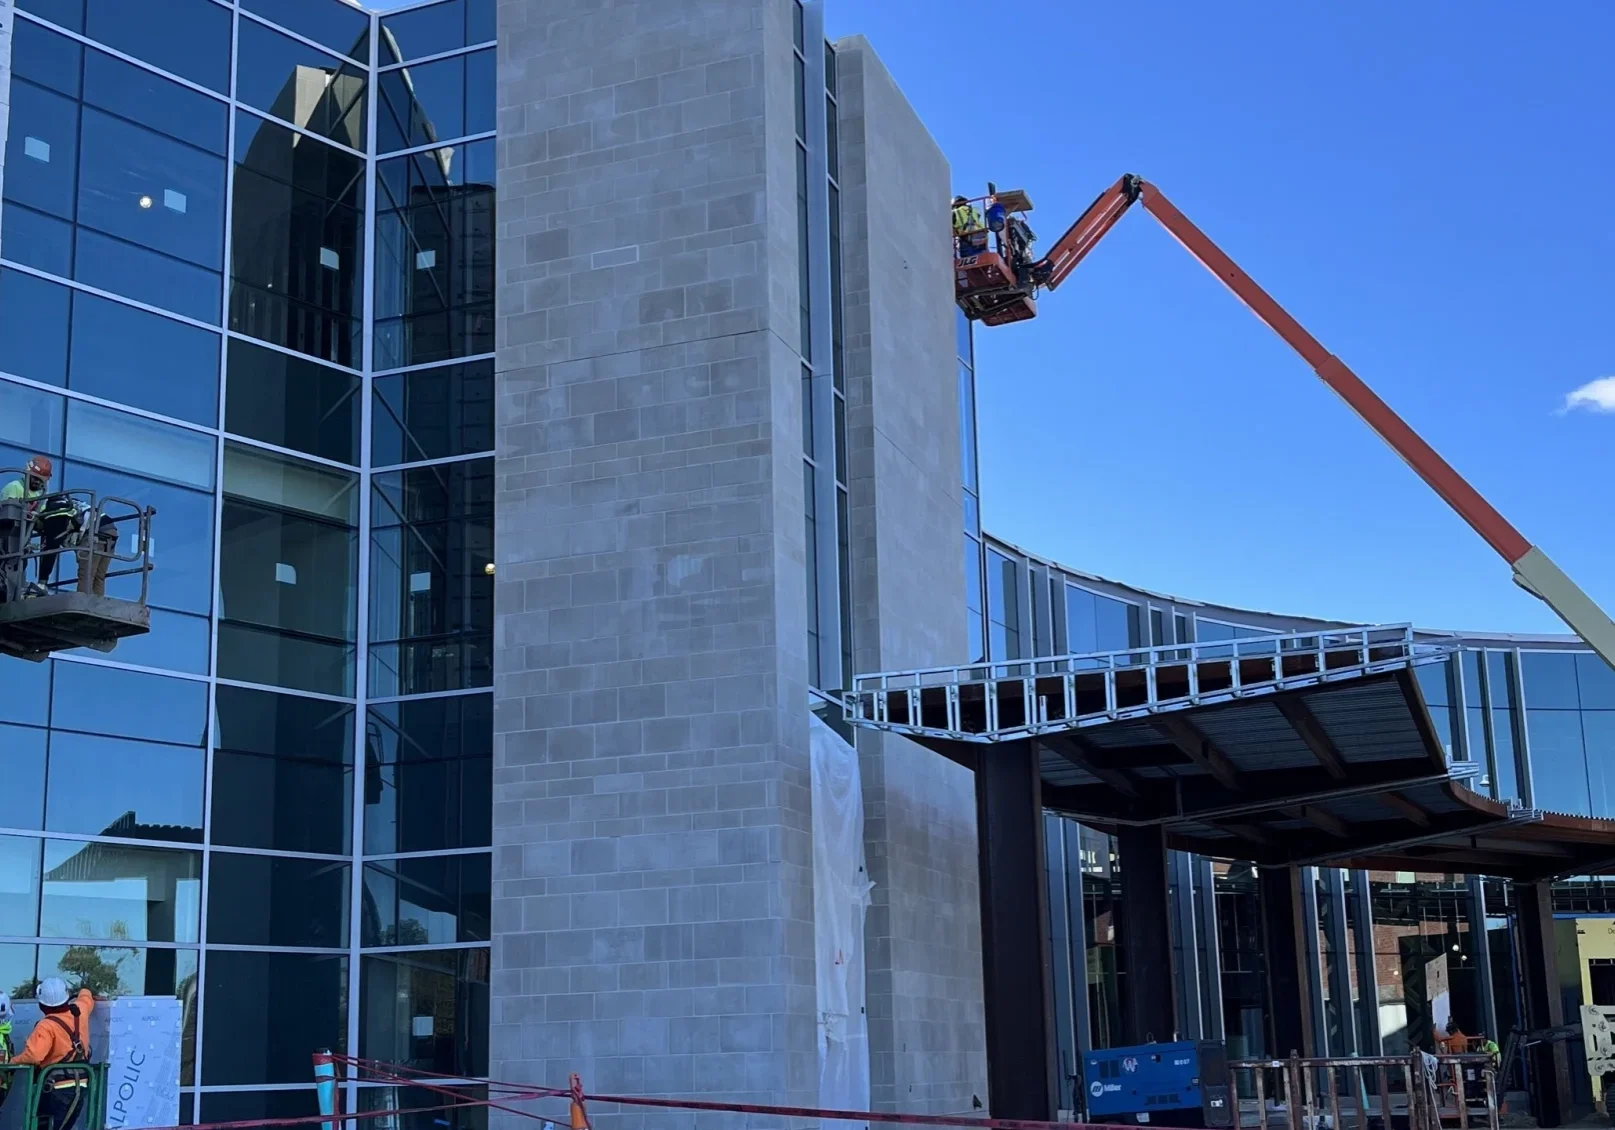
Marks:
<point>62,1036</point>
<point>969,236</point>
<point>29,491</point>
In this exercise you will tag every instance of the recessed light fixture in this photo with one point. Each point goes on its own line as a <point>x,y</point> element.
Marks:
<point>145,202</point>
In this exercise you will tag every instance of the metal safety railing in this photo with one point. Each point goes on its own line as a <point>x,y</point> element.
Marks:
<point>83,1085</point>
<point>35,533</point>
<point>1417,1091</point>
<point>1024,697</point>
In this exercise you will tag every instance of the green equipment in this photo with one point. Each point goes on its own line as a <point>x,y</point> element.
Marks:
<point>26,1084</point>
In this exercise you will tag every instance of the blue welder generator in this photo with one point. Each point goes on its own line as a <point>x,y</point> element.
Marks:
<point>1178,1084</point>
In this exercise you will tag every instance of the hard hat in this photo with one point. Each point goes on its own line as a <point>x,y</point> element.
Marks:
<point>5,1008</point>
<point>956,200</point>
<point>52,992</point>
<point>40,465</point>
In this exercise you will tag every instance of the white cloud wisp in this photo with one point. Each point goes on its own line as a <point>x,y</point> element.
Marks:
<point>1594,396</point>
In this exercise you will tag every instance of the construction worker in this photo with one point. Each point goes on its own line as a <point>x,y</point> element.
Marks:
<point>97,540</point>
<point>62,1036</point>
<point>19,505</point>
<point>969,236</point>
<point>57,523</point>
<point>7,1048</point>
<point>1454,1042</point>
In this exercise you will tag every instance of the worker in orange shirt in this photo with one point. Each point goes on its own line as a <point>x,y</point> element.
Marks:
<point>62,1036</point>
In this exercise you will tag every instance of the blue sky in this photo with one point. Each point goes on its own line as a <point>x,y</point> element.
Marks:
<point>1423,185</point>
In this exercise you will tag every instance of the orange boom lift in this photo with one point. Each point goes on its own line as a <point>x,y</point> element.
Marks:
<point>996,282</point>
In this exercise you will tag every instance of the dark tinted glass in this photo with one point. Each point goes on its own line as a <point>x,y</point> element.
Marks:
<point>1434,683</point>
<point>174,370</point>
<point>65,13</point>
<point>1550,680</point>
<point>42,150</point>
<point>402,1100</point>
<point>113,787</point>
<point>291,402</point>
<point>19,898</point>
<point>435,256</point>
<point>37,239</point>
<point>128,704</point>
<point>265,1010</point>
<point>120,892</point>
<point>25,776</point>
<point>1500,678</point>
<point>28,692</point>
<point>429,771</point>
<point>191,39</point>
<point>123,268</point>
<point>45,57</point>
<point>424,31</point>
<point>33,327</point>
<point>301,84</point>
<point>481,23</point>
<point>128,442</point>
<point>1558,760</point>
<point>262,900</point>
<point>176,642</point>
<point>426,1010</point>
<point>250,1106</point>
<point>153,101</point>
<point>297,243</point>
<point>422,103</point>
<point>430,586</point>
<point>972,574</point>
<point>341,27</point>
<point>429,413</point>
<point>419,902</point>
<point>181,544</point>
<point>282,772</point>
<point>1596,681</point>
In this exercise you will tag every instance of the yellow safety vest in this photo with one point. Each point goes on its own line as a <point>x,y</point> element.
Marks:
<point>965,218</point>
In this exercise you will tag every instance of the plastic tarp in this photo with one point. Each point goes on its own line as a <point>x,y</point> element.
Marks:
<point>840,900</point>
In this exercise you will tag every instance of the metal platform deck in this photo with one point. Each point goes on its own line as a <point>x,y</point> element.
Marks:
<point>35,627</point>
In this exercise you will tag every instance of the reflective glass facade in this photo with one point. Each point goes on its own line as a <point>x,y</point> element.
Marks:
<point>247,278</point>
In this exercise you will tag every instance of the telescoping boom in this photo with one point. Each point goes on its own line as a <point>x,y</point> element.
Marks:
<point>999,286</point>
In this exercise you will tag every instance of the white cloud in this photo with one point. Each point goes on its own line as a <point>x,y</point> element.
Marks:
<point>1594,396</point>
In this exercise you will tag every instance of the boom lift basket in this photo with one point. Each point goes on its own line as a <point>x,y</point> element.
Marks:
<point>35,619</point>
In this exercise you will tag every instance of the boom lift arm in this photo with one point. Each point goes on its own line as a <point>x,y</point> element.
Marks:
<point>1534,571</point>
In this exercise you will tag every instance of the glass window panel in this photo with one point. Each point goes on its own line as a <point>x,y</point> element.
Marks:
<point>1506,780</point>
<point>46,57</point>
<point>1596,681</point>
<point>429,774</point>
<point>135,93</point>
<point>131,971</point>
<point>251,1106</point>
<point>480,21</point>
<point>426,1010</point>
<point>301,85</point>
<point>176,642</point>
<point>33,330</point>
<point>1081,621</point>
<point>414,1099</point>
<point>282,772</point>
<point>422,104</point>
<point>967,425</point>
<point>424,31</point>
<point>42,151</point>
<point>120,892</point>
<point>1500,678</point>
<point>1550,680</point>
<point>180,551</point>
<point>340,26</point>
<point>1558,761</point>
<point>30,420</point>
<point>63,13</point>
<point>124,268</point>
<point>38,240</point>
<point>481,91</point>
<point>1434,682</point>
<point>174,372</point>
<point>148,189</point>
<point>973,578</point>
<point>420,902</point>
<point>434,256</point>
<point>264,900</point>
<point>134,443</point>
<point>102,786</point>
<point>17,975</point>
<point>192,39</point>
<point>128,704</point>
<point>252,1036</point>
<point>1116,623</point>
<point>19,887</point>
<point>978,643</point>
<point>25,775</point>
<point>285,483</point>
<point>1469,663</point>
<point>972,513</point>
<point>291,402</point>
<point>1598,729</point>
<point>431,413</point>
<point>298,244</point>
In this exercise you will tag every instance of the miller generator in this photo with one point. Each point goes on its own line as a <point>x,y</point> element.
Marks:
<point>1177,1084</point>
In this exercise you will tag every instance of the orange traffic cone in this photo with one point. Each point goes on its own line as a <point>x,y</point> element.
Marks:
<point>580,1118</point>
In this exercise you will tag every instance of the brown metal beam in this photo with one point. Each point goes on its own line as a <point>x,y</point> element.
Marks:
<point>1404,807</point>
<point>1299,715</point>
<point>1326,822</point>
<point>1198,748</point>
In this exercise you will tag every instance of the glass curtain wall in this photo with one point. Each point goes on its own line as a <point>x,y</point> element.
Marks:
<point>246,277</point>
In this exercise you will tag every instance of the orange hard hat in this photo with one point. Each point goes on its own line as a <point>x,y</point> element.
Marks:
<point>40,466</point>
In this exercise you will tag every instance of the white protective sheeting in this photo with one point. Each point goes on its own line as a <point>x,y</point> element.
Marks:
<point>840,898</point>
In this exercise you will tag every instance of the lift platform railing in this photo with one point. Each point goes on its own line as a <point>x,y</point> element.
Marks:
<point>1025,697</point>
<point>23,550</point>
<point>26,1085</point>
<point>1418,1091</point>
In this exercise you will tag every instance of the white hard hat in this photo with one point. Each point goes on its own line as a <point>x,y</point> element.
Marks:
<point>52,992</point>
<point>5,1008</point>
